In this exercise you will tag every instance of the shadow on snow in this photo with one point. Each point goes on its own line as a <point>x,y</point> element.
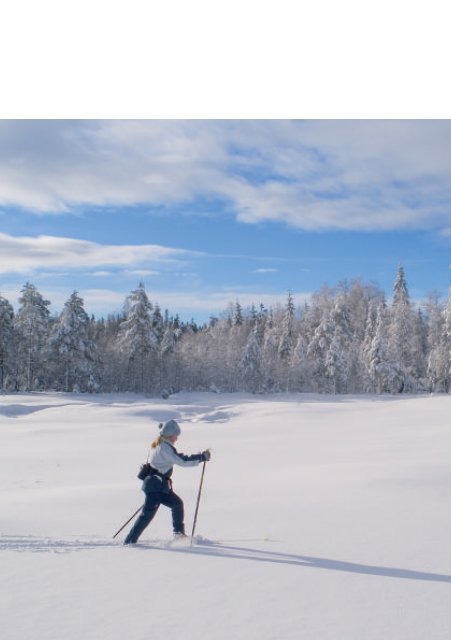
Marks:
<point>219,550</point>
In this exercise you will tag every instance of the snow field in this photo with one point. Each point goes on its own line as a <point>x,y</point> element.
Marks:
<point>323,518</point>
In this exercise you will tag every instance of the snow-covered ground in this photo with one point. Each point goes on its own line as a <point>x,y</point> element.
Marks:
<point>321,518</point>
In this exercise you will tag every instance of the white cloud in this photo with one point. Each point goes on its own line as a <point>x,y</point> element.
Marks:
<point>100,302</point>
<point>199,304</point>
<point>28,254</point>
<point>265,270</point>
<point>141,273</point>
<point>325,174</point>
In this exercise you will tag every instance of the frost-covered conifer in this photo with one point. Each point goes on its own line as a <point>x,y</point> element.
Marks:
<point>270,352</point>
<point>401,333</point>
<point>445,360</point>
<point>169,339</point>
<point>344,340</point>
<point>73,349</point>
<point>237,315</point>
<point>318,349</point>
<point>335,362</point>
<point>370,332</point>
<point>287,335</point>
<point>251,362</point>
<point>286,343</point>
<point>342,351</point>
<point>170,365</point>
<point>158,325</point>
<point>302,370</point>
<point>419,350</point>
<point>32,324</point>
<point>437,359</point>
<point>137,337</point>
<point>6,338</point>
<point>379,366</point>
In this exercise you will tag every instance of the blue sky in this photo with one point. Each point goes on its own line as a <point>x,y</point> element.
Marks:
<point>208,212</point>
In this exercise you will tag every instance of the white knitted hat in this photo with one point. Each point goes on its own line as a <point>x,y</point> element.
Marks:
<point>170,428</point>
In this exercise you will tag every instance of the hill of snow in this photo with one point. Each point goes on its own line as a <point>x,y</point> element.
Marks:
<point>322,518</point>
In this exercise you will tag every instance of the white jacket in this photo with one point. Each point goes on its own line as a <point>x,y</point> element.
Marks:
<point>165,456</point>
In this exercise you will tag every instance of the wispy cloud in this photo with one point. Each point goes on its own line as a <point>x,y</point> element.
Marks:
<point>265,270</point>
<point>140,273</point>
<point>27,254</point>
<point>366,175</point>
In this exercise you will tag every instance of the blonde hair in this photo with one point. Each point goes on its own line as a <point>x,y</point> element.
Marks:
<point>157,441</point>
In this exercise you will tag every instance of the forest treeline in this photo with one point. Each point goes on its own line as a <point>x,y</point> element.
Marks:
<point>347,339</point>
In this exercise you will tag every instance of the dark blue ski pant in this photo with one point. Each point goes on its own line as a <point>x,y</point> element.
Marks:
<point>151,505</point>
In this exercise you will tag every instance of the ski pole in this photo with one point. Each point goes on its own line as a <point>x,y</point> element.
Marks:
<point>198,501</point>
<point>131,518</point>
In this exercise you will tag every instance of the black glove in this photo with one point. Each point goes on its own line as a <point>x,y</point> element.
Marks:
<point>206,455</point>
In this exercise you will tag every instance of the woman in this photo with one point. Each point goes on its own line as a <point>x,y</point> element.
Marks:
<point>158,486</point>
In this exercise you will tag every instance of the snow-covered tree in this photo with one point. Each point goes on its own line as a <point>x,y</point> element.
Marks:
<point>137,337</point>
<point>401,333</point>
<point>237,315</point>
<point>341,357</point>
<point>270,352</point>
<point>287,333</point>
<point>301,366</point>
<point>419,350</point>
<point>319,347</point>
<point>158,325</point>
<point>169,355</point>
<point>6,338</point>
<point>381,371</point>
<point>287,341</point>
<point>32,324</point>
<point>251,362</point>
<point>443,353</point>
<point>366,344</point>
<point>344,340</point>
<point>335,362</point>
<point>73,349</point>
<point>170,336</point>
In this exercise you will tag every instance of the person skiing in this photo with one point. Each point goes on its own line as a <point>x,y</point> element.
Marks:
<point>158,485</point>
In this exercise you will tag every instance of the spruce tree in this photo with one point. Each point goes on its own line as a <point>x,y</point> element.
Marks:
<point>72,346</point>
<point>137,338</point>
<point>237,315</point>
<point>401,333</point>
<point>32,324</point>
<point>287,334</point>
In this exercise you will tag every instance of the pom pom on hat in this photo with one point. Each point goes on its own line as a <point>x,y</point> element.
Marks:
<point>170,428</point>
